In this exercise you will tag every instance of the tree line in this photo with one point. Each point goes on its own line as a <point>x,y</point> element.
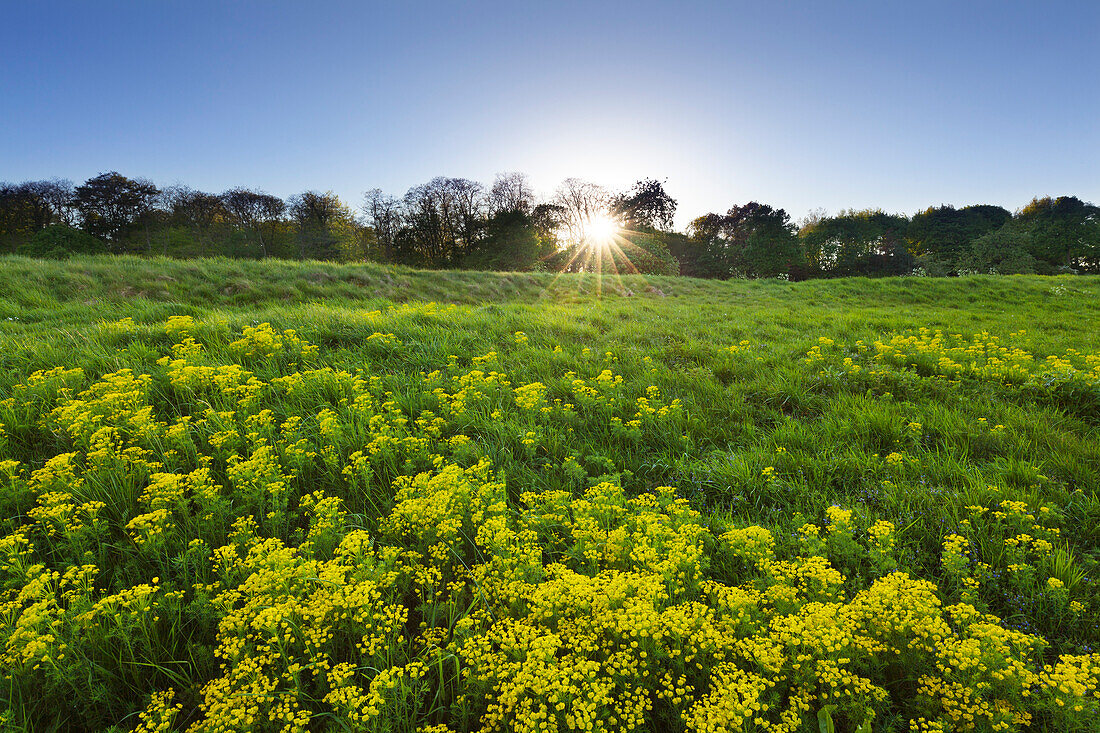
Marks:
<point>460,223</point>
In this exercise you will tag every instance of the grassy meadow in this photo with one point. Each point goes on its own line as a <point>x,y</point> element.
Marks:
<point>280,496</point>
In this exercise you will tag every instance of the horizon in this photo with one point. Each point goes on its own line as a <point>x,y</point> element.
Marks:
<point>357,206</point>
<point>800,108</point>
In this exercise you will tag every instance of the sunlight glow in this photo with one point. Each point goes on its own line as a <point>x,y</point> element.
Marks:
<point>600,231</point>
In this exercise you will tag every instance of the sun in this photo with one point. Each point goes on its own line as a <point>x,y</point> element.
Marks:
<point>600,230</point>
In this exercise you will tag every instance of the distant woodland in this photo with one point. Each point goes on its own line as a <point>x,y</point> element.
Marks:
<point>463,224</point>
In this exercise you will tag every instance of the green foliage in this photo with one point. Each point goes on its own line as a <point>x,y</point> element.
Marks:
<point>646,206</point>
<point>753,240</point>
<point>771,252</point>
<point>457,223</point>
<point>857,243</point>
<point>645,253</point>
<point>511,243</point>
<point>1064,232</point>
<point>326,228</point>
<point>111,205</point>
<point>1006,251</point>
<point>59,242</point>
<point>929,265</point>
<point>945,231</point>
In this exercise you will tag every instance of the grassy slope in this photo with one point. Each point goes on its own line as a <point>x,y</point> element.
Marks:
<point>740,407</point>
<point>50,312</point>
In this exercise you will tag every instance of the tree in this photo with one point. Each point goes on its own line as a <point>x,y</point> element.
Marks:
<point>947,232</point>
<point>868,242</point>
<point>686,251</point>
<point>1002,252</point>
<point>30,207</point>
<point>812,218</point>
<point>470,203</point>
<point>643,253</point>
<point>548,220</point>
<point>645,206</point>
<point>752,240</point>
<point>707,256</point>
<point>511,242</point>
<point>110,204</point>
<point>254,211</point>
<point>764,240</point>
<point>16,217</point>
<point>511,192</point>
<point>326,227</point>
<point>427,237</point>
<point>1064,231</point>
<point>197,211</point>
<point>579,203</point>
<point>50,202</point>
<point>442,219</point>
<point>383,213</point>
<point>59,195</point>
<point>36,206</point>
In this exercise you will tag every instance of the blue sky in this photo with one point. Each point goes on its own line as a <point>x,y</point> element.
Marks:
<point>896,105</point>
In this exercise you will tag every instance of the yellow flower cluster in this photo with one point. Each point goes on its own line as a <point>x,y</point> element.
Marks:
<point>1020,550</point>
<point>263,341</point>
<point>347,558</point>
<point>530,396</point>
<point>160,714</point>
<point>982,356</point>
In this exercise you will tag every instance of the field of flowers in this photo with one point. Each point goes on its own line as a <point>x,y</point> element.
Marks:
<point>618,513</point>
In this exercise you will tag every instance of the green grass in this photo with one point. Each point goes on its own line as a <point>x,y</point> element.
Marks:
<point>823,431</point>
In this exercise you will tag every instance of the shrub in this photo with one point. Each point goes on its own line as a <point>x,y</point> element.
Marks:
<point>59,242</point>
<point>1002,252</point>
